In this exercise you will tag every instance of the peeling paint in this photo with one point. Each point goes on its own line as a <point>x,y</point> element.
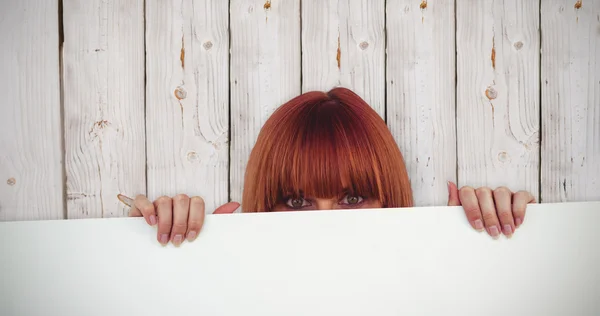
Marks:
<point>100,181</point>
<point>339,53</point>
<point>578,4</point>
<point>182,54</point>
<point>493,52</point>
<point>77,196</point>
<point>423,6</point>
<point>267,7</point>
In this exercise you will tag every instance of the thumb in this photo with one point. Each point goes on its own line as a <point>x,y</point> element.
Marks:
<point>227,208</point>
<point>453,199</point>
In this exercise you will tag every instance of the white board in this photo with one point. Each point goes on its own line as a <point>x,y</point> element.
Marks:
<point>419,261</point>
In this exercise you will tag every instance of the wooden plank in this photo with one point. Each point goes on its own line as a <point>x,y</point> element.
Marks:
<point>103,58</point>
<point>265,72</point>
<point>31,169</point>
<point>351,262</point>
<point>498,92</point>
<point>571,100</point>
<point>421,92</point>
<point>343,44</point>
<point>187,46</point>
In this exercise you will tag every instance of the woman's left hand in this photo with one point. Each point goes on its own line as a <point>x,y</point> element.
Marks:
<point>498,211</point>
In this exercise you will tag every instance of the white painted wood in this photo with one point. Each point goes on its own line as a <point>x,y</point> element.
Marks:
<point>103,78</point>
<point>265,72</point>
<point>421,93</point>
<point>187,46</point>
<point>571,101</point>
<point>498,49</point>
<point>31,169</point>
<point>351,262</point>
<point>343,44</point>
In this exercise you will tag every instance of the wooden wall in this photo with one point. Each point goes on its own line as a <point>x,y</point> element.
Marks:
<point>152,97</point>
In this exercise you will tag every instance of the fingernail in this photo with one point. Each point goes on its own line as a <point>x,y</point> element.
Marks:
<point>177,239</point>
<point>164,239</point>
<point>494,231</point>
<point>152,220</point>
<point>518,221</point>
<point>507,230</point>
<point>191,235</point>
<point>478,225</point>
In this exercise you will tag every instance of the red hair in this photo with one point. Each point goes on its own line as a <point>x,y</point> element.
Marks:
<point>321,144</point>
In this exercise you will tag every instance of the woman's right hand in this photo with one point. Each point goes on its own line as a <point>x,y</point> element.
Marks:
<point>178,218</point>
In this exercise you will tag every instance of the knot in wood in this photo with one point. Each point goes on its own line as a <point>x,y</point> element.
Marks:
<point>491,93</point>
<point>503,157</point>
<point>364,45</point>
<point>207,45</point>
<point>518,45</point>
<point>11,181</point>
<point>192,156</point>
<point>180,93</point>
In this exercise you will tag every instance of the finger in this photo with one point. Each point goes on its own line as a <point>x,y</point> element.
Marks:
<point>142,205</point>
<point>488,211</point>
<point>227,208</point>
<point>164,207</point>
<point>196,217</point>
<point>503,202</point>
<point>134,212</point>
<point>181,208</point>
<point>453,199</point>
<point>471,206</point>
<point>519,204</point>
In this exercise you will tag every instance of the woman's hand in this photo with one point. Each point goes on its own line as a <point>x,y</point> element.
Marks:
<point>499,210</point>
<point>178,218</point>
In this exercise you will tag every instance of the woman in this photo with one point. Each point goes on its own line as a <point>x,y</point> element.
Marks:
<point>324,151</point>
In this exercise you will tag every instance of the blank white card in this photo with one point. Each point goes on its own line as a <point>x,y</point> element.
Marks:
<point>418,261</point>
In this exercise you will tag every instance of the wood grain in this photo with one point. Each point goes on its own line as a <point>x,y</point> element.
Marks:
<point>343,44</point>
<point>265,72</point>
<point>421,92</point>
<point>187,114</point>
<point>103,74</point>
<point>31,168</point>
<point>498,51</point>
<point>571,101</point>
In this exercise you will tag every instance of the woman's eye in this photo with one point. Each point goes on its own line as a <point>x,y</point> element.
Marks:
<point>351,200</point>
<point>297,203</point>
